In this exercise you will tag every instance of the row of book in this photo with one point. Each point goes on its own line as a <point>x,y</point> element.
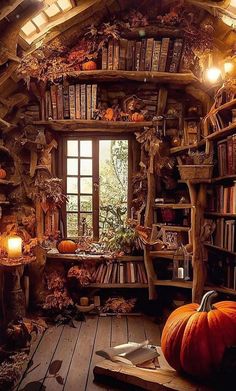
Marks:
<point>223,272</point>
<point>70,101</point>
<point>225,234</point>
<point>226,152</point>
<point>145,55</point>
<point>120,273</point>
<point>224,199</point>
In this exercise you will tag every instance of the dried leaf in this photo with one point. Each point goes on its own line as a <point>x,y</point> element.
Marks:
<point>60,380</point>
<point>33,386</point>
<point>54,367</point>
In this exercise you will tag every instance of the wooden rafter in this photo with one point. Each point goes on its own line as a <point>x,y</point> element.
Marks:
<point>7,6</point>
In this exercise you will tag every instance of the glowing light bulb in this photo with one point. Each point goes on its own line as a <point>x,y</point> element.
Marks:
<point>233,3</point>
<point>213,74</point>
<point>228,67</point>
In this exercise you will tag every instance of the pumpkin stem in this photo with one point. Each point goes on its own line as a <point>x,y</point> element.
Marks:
<point>206,303</point>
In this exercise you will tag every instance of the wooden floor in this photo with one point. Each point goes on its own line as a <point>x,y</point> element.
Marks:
<point>64,357</point>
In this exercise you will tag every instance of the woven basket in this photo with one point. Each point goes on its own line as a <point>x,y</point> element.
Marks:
<point>195,172</point>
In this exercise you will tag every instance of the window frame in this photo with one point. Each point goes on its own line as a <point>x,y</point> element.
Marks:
<point>62,172</point>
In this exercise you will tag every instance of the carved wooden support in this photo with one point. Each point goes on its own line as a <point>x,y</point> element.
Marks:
<point>152,293</point>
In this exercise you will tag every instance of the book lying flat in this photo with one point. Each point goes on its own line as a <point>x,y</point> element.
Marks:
<point>131,353</point>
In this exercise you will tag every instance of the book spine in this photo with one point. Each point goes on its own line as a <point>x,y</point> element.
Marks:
<point>116,55</point>
<point>121,273</point>
<point>156,55</point>
<point>89,101</point>
<point>230,155</point>
<point>77,102</point>
<point>66,105</point>
<point>94,98</point>
<point>149,53</point>
<point>176,57</point>
<point>60,102</point>
<point>83,101</point>
<point>137,56</point>
<point>234,154</point>
<point>143,54</point>
<point>104,58</point>
<point>110,54</point>
<point>122,58</point>
<point>72,101</point>
<point>48,105</point>
<point>164,53</point>
<point>53,91</point>
<point>130,56</point>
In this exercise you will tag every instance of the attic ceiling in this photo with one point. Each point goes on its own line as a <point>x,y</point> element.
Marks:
<point>49,19</point>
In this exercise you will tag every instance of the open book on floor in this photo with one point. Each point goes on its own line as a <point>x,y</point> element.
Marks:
<point>130,353</point>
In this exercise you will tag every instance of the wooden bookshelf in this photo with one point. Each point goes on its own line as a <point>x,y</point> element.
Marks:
<point>221,289</point>
<point>97,258</point>
<point>176,228</point>
<point>119,286</point>
<point>174,283</point>
<point>100,75</point>
<point>224,178</point>
<point>78,125</point>
<point>221,133</point>
<point>217,248</point>
<point>195,181</point>
<point>218,214</point>
<point>173,206</point>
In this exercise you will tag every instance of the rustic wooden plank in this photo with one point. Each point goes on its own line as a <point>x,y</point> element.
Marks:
<point>102,341</point>
<point>79,366</point>
<point>136,332</point>
<point>119,331</point>
<point>42,358</point>
<point>63,352</point>
<point>152,331</point>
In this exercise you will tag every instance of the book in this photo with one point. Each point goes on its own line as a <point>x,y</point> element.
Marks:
<point>60,114</point>
<point>89,101</point>
<point>234,154</point>
<point>94,99</point>
<point>137,56</point>
<point>130,56</point>
<point>48,105</point>
<point>53,92</point>
<point>116,54</point>
<point>149,52</point>
<point>121,273</point>
<point>176,56</point>
<point>131,353</point>
<point>114,273</point>
<point>66,106</point>
<point>104,57</point>
<point>110,55</point>
<point>132,273</point>
<point>156,55</point>
<point>163,54</point>
<point>77,102</point>
<point>72,100</point>
<point>83,101</point>
<point>122,58</point>
<point>143,55</point>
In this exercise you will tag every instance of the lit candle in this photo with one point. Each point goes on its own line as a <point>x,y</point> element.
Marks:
<point>84,301</point>
<point>180,272</point>
<point>14,247</point>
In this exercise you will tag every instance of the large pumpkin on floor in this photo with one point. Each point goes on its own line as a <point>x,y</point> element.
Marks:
<point>67,247</point>
<point>195,336</point>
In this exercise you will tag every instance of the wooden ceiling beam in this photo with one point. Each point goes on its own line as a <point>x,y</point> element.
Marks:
<point>7,6</point>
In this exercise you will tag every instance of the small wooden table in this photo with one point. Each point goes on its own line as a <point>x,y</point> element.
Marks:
<point>13,297</point>
<point>160,379</point>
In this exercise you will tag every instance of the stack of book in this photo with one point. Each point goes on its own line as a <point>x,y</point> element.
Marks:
<point>146,55</point>
<point>225,234</point>
<point>120,273</point>
<point>223,199</point>
<point>226,151</point>
<point>70,101</point>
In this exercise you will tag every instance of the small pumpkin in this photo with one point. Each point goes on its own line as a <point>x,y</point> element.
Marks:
<point>89,66</point>
<point>3,173</point>
<point>67,247</point>
<point>137,117</point>
<point>109,114</point>
<point>195,337</point>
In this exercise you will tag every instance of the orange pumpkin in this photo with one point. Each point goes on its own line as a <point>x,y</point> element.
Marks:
<point>3,173</point>
<point>89,66</point>
<point>195,337</point>
<point>109,114</point>
<point>67,247</point>
<point>137,117</point>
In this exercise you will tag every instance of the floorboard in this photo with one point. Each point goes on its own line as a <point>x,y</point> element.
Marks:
<point>64,358</point>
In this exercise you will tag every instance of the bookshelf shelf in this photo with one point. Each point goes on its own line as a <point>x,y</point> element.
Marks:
<point>221,289</point>
<point>140,76</point>
<point>6,182</point>
<point>4,203</point>
<point>217,248</point>
<point>224,178</point>
<point>122,286</point>
<point>179,284</point>
<point>195,181</point>
<point>173,206</point>
<point>98,258</point>
<point>93,125</point>
<point>176,228</point>
<point>221,133</point>
<point>217,214</point>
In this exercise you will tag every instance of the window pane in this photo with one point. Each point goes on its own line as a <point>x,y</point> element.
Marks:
<point>113,184</point>
<point>72,204</point>
<point>86,224</point>
<point>72,166</point>
<point>72,185</point>
<point>86,167</point>
<point>72,224</point>
<point>86,203</point>
<point>86,148</point>
<point>72,148</point>
<point>86,185</point>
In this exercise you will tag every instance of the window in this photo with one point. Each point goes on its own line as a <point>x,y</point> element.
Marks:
<point>96,185</point>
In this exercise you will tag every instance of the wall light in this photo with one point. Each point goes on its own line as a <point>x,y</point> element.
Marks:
<point>213,74</point>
